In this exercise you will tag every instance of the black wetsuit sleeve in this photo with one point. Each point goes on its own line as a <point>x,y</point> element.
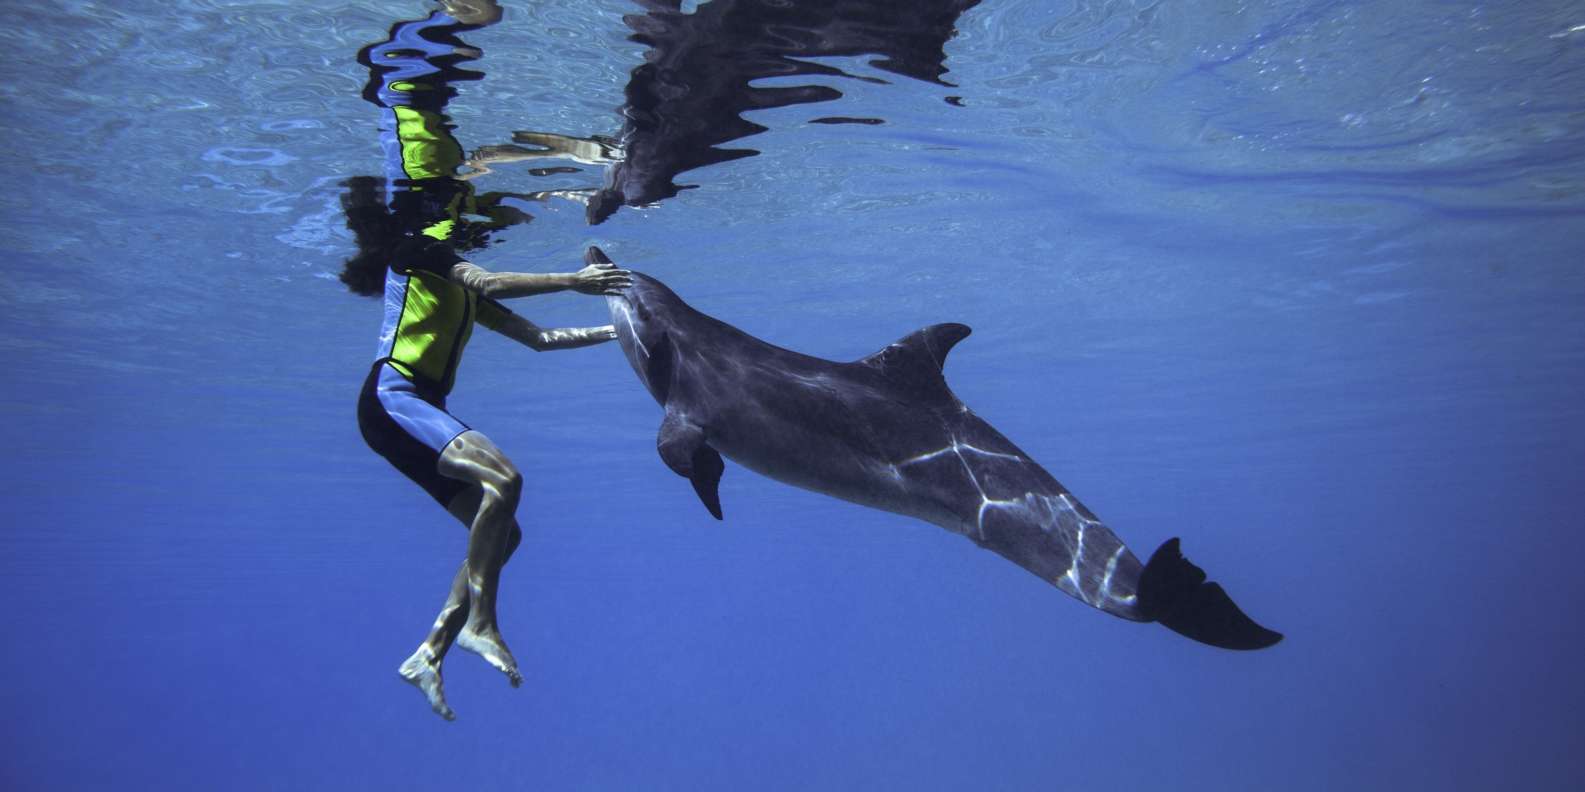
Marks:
<point>426,254</point>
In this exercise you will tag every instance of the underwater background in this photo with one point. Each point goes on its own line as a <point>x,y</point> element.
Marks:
<point>1298,282</point>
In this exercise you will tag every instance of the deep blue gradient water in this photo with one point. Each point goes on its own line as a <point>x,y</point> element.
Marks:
<point>1299,282</point>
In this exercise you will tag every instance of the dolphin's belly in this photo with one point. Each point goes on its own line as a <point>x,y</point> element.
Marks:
<point>832,456</point>
<point>852,480</point>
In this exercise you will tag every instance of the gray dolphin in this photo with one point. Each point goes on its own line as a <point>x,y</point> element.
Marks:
<point>887,432</point>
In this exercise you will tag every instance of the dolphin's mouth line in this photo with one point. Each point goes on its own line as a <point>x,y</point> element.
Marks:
<point>632,329</point>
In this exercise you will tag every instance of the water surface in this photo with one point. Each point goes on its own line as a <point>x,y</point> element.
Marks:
<point>1296,281</point>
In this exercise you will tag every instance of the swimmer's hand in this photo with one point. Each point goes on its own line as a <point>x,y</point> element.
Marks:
<point>600,275</point>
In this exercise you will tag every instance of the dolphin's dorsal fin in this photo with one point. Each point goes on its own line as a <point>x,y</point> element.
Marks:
<point>915,360</point>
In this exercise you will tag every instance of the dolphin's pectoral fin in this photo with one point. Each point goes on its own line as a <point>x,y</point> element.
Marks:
<point>1174,592</point>
<point>684,450</point>
<point>915,360</point>
<point>706,478</point>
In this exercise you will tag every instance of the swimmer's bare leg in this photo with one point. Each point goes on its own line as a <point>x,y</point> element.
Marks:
<point>471,457</point>
<point>422,670</point>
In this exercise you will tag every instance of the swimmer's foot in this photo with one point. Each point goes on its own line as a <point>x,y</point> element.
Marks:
<point>488,645</point>
<point>422,671</point>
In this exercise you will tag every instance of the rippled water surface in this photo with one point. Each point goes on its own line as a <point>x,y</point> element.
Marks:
<point>1298,282</point>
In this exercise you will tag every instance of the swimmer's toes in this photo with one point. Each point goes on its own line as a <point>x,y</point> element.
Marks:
<point>494,652</point>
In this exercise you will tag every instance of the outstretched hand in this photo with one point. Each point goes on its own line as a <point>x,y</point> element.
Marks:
<point>600,275</point>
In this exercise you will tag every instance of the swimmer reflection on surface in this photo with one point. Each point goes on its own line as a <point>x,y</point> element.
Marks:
<point>408,252</point>
<point>593,150</point>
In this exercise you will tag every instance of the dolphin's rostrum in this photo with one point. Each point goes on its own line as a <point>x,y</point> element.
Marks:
<point>887,432</point>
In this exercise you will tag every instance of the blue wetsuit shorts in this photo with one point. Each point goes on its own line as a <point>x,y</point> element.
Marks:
<point>409,426</point>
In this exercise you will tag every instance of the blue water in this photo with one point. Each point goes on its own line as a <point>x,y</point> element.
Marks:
<point>1299,282</point>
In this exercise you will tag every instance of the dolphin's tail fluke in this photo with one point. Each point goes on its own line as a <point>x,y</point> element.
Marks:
<point>1174,591</point>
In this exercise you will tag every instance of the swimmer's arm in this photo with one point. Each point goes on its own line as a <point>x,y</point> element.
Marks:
<point>593,279</point>
<point>572,337</point>
<point>541,339</point>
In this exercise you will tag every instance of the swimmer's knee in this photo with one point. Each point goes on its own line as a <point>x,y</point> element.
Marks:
<point>506,484</point>
<point>512,482</point>
<point>472,457</point>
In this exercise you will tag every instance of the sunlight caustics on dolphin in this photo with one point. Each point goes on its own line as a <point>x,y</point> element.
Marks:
<point>888,433</point>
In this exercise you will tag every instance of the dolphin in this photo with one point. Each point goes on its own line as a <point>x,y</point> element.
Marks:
<point>885,431</point>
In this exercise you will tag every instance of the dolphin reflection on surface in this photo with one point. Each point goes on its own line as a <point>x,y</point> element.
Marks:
<point>689,95</point>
